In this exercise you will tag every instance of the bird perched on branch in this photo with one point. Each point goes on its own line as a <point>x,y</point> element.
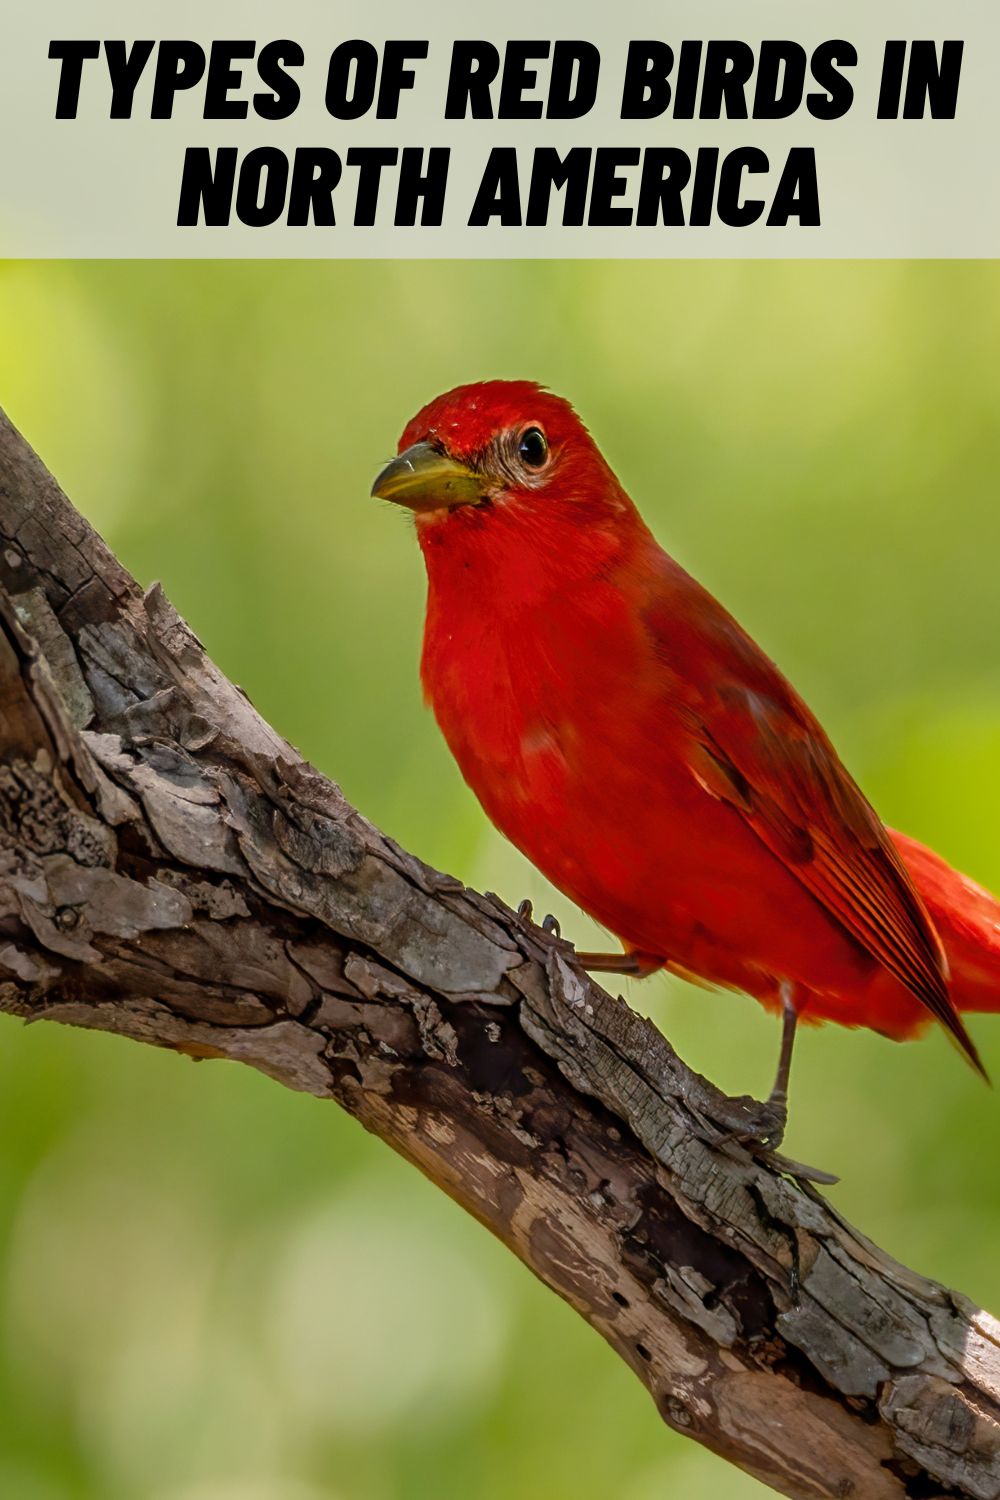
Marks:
<point>622,730</point>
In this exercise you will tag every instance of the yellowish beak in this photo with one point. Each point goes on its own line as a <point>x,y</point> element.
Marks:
<point>424,478</point>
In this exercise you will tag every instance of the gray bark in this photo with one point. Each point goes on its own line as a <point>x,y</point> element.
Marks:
<point>171,870</point>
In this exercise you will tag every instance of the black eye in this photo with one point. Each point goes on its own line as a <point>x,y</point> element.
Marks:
<point>532,449</point>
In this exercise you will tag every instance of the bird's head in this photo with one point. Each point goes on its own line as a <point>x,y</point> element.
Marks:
<point>502,452</point>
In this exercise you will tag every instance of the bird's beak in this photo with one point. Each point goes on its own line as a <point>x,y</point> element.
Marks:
<point>424,478</point>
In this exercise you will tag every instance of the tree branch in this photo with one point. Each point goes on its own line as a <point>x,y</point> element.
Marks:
<point>171,870</point>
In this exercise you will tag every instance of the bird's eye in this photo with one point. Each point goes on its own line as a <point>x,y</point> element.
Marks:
<point>532,449</point>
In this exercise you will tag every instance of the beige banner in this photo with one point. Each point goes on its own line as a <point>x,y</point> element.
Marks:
<point>100,186</point>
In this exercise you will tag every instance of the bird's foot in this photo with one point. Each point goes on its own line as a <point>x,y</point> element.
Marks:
<point>759,1124</point>
<point>755,1122</point>
<point>548,923</point>
<point>631,964</point>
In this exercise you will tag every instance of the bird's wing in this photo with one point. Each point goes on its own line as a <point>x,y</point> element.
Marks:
<point>756,746</point>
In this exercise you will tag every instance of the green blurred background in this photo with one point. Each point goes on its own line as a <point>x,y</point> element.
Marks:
<point>212,1289</point>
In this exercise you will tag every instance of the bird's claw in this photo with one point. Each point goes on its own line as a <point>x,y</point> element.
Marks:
<point>755,1122</point>
<point>549,924</point>
<point>800,1171</point>
<point>759,1124</point>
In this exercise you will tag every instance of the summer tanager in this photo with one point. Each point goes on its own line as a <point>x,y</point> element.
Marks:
<point>622,730</point>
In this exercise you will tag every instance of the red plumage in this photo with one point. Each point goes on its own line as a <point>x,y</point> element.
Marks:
<point>623,731</point>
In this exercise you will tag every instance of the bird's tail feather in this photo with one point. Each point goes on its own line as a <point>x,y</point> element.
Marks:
<point>967,918</point>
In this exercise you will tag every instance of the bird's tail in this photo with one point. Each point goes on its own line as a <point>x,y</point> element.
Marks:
<point>967,919</point>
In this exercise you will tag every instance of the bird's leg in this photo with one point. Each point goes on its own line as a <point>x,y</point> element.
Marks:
<point>778,1099</point>
<point>632,964</point>
<point>762,1124</point>
<point>765,1121</point>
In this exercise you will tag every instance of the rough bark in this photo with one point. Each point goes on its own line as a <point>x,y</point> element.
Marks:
<point>171,870</point>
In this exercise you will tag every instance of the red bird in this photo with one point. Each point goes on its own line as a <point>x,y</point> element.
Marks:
<point>622,730</point>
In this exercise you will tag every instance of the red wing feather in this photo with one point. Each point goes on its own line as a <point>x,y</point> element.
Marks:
<point>760,749</point>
